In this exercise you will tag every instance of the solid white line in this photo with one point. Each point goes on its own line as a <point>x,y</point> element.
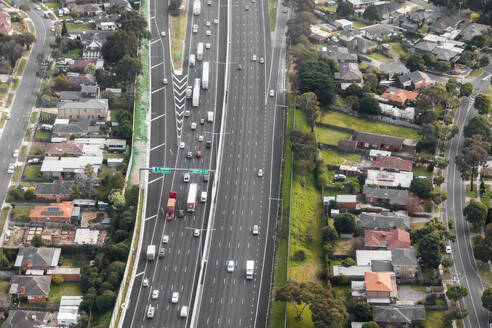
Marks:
<point>138,274</point>
<point>158,146</point>
<point>157,90</point>
<point>158,117</point>
<point>156,179</point>
<point>157,65</point>
<point>151,217</point>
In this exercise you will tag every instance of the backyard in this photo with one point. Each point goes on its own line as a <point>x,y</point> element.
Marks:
<point>335,157</point>
<point>330,136</point>
<point>65,289</point>
<point>32,172</point>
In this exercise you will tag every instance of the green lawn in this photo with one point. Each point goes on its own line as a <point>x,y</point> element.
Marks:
<point>301,122</point>
<point>22,154</point>
<point>397,49</point>
<point>80,27</point>
<point>378,56</point>
<point>419,288</point>
<point>15,84</point>
<point>272,9</point>
<point>17,172</point>
<point>334,157</point>
<point>365,125</point>
<point>3,120</point>
<point>434,319</point>
<point>4,287</point>
<point>357,24</point>
<point>177,31</point>
<point>9,100</point>
<point>74,53</point>
<point>476,72</point>
<point>421,171</point>
<point>331,8</point>
<point>3,217</point>
<point>483,269</point>
<point>65,289</point>
<point>22,66</point>
<point>330,136</point>
<point>32,172</point>
<point>42,134</point>
<point>53,5</point>
<point>102,320</point>
<point>20,212</point>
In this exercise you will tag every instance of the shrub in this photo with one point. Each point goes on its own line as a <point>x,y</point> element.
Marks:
<point>299,256</point>
<point>339,280</point>
<point>348,262</point>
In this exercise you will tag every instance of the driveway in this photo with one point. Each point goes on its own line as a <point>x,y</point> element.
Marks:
<point>408,294</point>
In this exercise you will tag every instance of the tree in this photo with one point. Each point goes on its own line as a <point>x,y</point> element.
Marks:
<point>478,41</point>
<point>57,279</point>
<point>455,293</point>
<point>362,311</point>
<point>344,9</point>
<point>487,298</point>
<point>174,6</point>
<point>483,61</point>
<point>118,45</point>
<point>480,250</point>
<point>370,324</point>
<point>430,250</point>
<point>442,66</point>
<point>371,13</point>
<point>60,82</point>
<point>421,187</point>
<point>452,86</point>
<point>475,153</point>
<point>304,5</point>
<point>326,310</point>
<point>482,103</point>
<point>12,51</point>
<point>447,262</point>
<point>431,103</point>
<point>128,68</point>
<point>303,144</point>
<point>117,198</point>
<point>316,76</point>
<point>133,22</point>
<point>329,233</point>
<point>348,262</point>
<point>37,241</point>
<point>369,105</point>
<point>353,90</point>
<point>308,102</point>
<point>477,125</point>
<point>105,301</point>
<point>345,223</point>
<point>303,52</point>
<point>475,212</point>
<point>64,30</point>
<point>25,39</point>
<point>466,89</point>
<point>415,62</point>
<point>90,68</point>
<point>296,295</point>
<point>125,130</point>
<point>299,27</point>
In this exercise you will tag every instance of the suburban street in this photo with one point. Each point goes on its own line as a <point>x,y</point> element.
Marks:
<point>466,270</point>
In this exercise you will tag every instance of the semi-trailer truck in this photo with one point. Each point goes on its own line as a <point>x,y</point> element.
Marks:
<point>205,72</point>
<point>150,252</point>
<point>250,269</point>
<point>196,93</point>
<point>199,51</point>
<point>190,205</point>
<point>197,7</point>
<point>171,205</point>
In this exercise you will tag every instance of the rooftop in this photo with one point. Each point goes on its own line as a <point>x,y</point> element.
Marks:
<point>401,179</point>
<point>377,139</point>
<point>364,257</point>
<point>403,314</point>
<point>378,282</point>
<point>383,221</point>
<point>30,285</point>
<point>395,196</point>
<point>54,210</point>
<point>70,164</point>
<point>392,163</point>
<point>25,319</point>
<point>404,256</point>
<point>86,237</point>
<point>399,95</point>
<point>37,257</point>
<point>395,238</point>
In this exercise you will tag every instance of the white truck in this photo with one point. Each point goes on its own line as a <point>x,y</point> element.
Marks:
<point>190,204</point>
<point>150,252</point>
<point>192,60</point>
<point>250,269</point>
<point>196,93</point>
<point>205,73</point>
<point>197,7</point>
<point>210,117</point>
<point>199,51</point>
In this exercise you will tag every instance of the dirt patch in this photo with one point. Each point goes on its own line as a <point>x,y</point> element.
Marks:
<point>88,218</point>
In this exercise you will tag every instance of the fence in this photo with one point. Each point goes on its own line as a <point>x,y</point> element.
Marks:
<point>381,118</point>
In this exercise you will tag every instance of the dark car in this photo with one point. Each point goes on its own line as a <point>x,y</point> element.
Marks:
<point>205,178</point>
<point>198,154</point>
<point>202,121</point>
<point>239,67</point>
<point>181,213</point>
<point>209,144</point>
<point>189,155</point>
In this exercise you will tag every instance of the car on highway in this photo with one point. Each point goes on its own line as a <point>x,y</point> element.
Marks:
<point>247,7</point>
<point>255,230</point>
<point>10,170</point>
<point>230,266</point>
<point>209,2</point>
<point>209,144</point>
<point>195,28</point>
<point>182,144</point>
<point>145,282</point>
<point>200,138</point>
<point>181,213</point>
<point>16,153</point>
<point>164,81</point>
<point>203,197</point>
<point>189,155</point>
<point>262,60</point>
<point>163,34</point>
<point>253,58</point>
<point>286,10</point>
<point>198,154</point>
<point>448,249</point>
<point>239,67</point>
<point>187,112</point>
<point>207,23</point>
<point>208,33</point>
<point>208,45</point>
<point>260,172</point>
<point>162,252</point>
<point>150,312</point>
<point>216,21</point>
<point>184,311</point>
<point>193,125</point>
<point>202,121</point>
<point>196,232</point>
<point>186,177</point>
<point>165,239</point>
<point>37,7</point>
<point>205,178</point>
<point>272,93</point>
<point>155,294</point>
<point>175,297</point>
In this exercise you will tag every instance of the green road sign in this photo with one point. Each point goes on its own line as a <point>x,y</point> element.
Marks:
<point>158,169</point>
<point>200,171</point>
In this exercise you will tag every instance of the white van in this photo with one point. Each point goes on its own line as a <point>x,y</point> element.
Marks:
<point>192,60</point>
<point>210,116</point>
<point>203,197</point>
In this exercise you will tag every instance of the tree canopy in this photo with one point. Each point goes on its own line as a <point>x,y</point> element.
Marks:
<point>369,105</point>
<point>456,293</point>
<point>475,212</point>
<point>482,103</point>
<point>371,13</point>
<point>487,298</point>
<point>308,102</point>
<point>345,223</point>
<point>430,250</point>
<point>477,125</point>
<point>316,76</point>
<point>422,187</point>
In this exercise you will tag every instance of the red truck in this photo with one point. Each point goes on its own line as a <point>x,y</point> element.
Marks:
<point>171,205</point>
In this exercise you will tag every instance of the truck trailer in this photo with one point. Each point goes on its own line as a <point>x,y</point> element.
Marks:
<point>150,252</point>
<point>171,205</point>
<point>197,7</point>
<point>196,93</point>
<point>205,73</point>
<point>199,51</point>
<point>190,205</point>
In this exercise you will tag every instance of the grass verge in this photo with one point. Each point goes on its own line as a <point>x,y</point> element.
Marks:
<point>32,172</point>
<point>3,120</point>
<point>272,9</point>
<point>483,269</point>
<point>15,83</point>
<point>397,49</point>
<point>17,172</point>
<point>421,171</point>
<point>22,154</point>
<point>3,216</point>
<point>80,27</point>
<point>177,33</point>
<point>22,66</point>
<point>434,319</point>
<point>9,100</point>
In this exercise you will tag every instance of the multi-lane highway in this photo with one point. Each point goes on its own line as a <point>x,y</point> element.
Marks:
<point>176,272</point>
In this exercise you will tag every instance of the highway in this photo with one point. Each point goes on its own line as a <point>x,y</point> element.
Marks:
<point>176,272</point>
<point>465,271</point>
<point>252,139</point>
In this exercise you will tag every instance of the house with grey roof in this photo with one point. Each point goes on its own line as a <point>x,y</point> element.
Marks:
<point>354,272</point>
<point>472,30</point>
<point>386,196</point>
<point>396,316</point>
<point>341,54</point>
<point>447,54</point>
<point>41,258</point>
<point>26,319</point>
<point>348,73</point>
<point>394,68</point>
<point>361,45</point>
<point>56,191</point>
<point>445,24</point>
<point>378,32</point>
<point>66,128</point>
<point>381,266</point>
<point>383,221</point>
<point>34,289</point>
<point>69,167</point>
<point>405,264</point>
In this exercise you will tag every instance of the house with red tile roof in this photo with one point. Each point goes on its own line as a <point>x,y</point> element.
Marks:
<point>55,212</point>
<point>380,287</point>
<point>5,26</point>
<point>395,238</point>
<point>399,97</point>
<point>392,163</point>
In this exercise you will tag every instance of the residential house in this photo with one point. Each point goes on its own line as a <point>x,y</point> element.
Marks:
<point>70,4</point>
<point>318,36</point>
<point>348,73</point>
<point>5,26</point>
<point>389,179</point>
<point>404,262</point>
<point>398,315</point>
<point>414,80</point>
<point>341,54</point>
<point>346,36</point>
<point>395,238</point>
<point>55,212</point>
<point>40,258</point>
<point>67,273</point>
<point>115,91</point>
<point>393,68</point>
<point>342,24</point>
<point>377,141</point>
<point>361,45</point>
<point>55,191</point>
<point>26,319</point>
<point>68,167</point>
<point>380,287</point>
<point>423,47</point>
<point>107,26</point>
<point>359,4</point>
<point>358,291</point>
<point>472,30</point>
<point>374,153</point>
<point>399,97</point>
<point>92,109</point>
<point>90,92</point>
<point>416,19</point>
<point>347,201</point>
<point>77,80</point>
<point>347,145</point>
<point>383,221</point>
<point>365,257</point>
<point>445,24</point>
<point>384,196</point>
<point>115,145</point>
<point>116,6</point>
<point>404,114</point>
<point>447,54</point>
<point>381,266</point>
<point>354,272</point>
<point>67,128</point>
<point>348,170</point>
<point>63,149</point>
<point>392,163</point>
<point>68,312</point>
<point>378,32</point>
<point>34,289</point>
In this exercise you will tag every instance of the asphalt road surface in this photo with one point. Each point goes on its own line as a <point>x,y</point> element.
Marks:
<point>177,271</point>
<point>465,270</point>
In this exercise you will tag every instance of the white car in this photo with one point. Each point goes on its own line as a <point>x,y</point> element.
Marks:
<point>260,172</point>
<point>164,81</point>
<point>208,45</point>
<point>193,126</point>
<point>207,23</point>
<point>448,249</point>
<point>184,312</point>
<point>187,113</point>
<point>16,153</point>
<point>165,239</point>
<point>230,266</point>
<point>196,233</point>
<point>200,138</point>
<point>253,58</point>
<point>209,2</point>
<point>272,93</point>
<point>334,39</point>
<point>175,297</point>
<point>262,61</point>
<point>255,230</point>
<point>10,170</point>
<point>8,117</point>
<point>216,21</point>
<point>145,282</point>
<point>150,312</point>
<point>182,144</point>
<point>155,294</point>
<point>37,7</point>
<point>195,28</point>
<point>186,177</point>
<point>209,33</point>
<point>163,34</point>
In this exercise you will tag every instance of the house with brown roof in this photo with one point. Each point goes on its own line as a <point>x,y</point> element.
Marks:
<point>55,212</point>
<point>377,141</point>
<point>399,97</point>
<point>5,26</point>
<point>392,163</point>
<point>395,238</point>
<point>385,196</point>
<point>92,109</point>
<point>41,258</point>
<point>380,287</point>
<point>77,80</point>
<point>63,149</point>
<point>34,289</point>
<point>67,273</point>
